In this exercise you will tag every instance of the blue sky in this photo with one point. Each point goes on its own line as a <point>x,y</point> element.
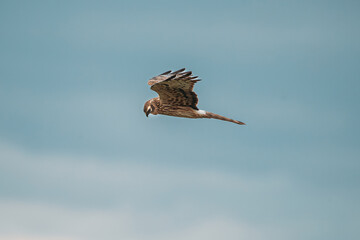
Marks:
<point>79,159</point>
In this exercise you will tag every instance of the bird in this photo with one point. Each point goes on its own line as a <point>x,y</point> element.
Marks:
<point>177,98</point>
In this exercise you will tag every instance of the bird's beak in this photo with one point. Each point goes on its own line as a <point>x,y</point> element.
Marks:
<point>148,112</point>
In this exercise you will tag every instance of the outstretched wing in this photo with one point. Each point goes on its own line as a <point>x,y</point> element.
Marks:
<point>175,88</point>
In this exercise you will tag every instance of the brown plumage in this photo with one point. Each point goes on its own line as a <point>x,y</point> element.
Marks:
<point>177,98</point>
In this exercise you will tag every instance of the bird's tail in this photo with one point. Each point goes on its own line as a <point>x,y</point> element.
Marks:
<point>219,117</point>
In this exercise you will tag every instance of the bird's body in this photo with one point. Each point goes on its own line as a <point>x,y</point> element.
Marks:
<point>175,111</point>
<point>176,97</point>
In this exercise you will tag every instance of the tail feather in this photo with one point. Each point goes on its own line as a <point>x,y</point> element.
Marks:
<point>219,117</point>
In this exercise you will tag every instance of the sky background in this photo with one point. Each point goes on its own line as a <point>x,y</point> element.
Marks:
<point>80,161</point>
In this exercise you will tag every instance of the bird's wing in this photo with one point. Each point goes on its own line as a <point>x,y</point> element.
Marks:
<point>175,88</point>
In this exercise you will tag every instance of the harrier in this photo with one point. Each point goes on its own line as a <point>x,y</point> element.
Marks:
<point>176,97</point>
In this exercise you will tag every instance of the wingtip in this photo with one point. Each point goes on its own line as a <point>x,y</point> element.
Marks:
<point>167,72</point>
<point>185,74</point>
<point>179,71</point>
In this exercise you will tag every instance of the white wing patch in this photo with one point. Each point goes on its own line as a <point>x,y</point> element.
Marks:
<point>202,112</point>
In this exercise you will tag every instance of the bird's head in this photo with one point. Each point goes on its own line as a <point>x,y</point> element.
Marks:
<point>149,108</point>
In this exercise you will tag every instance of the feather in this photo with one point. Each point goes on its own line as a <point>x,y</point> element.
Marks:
<point>178,71</point>
<point>175,88</point>
<point>165,73</point>
<point>177,98</point>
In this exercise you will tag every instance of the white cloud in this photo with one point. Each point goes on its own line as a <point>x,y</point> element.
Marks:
<point>33,237</point>
<point>83,198</point>
<point>81,169</point>
<point>38,216</point>
<point>27,221</point>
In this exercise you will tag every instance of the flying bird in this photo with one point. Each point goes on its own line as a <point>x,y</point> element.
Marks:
<point>177,98</point>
